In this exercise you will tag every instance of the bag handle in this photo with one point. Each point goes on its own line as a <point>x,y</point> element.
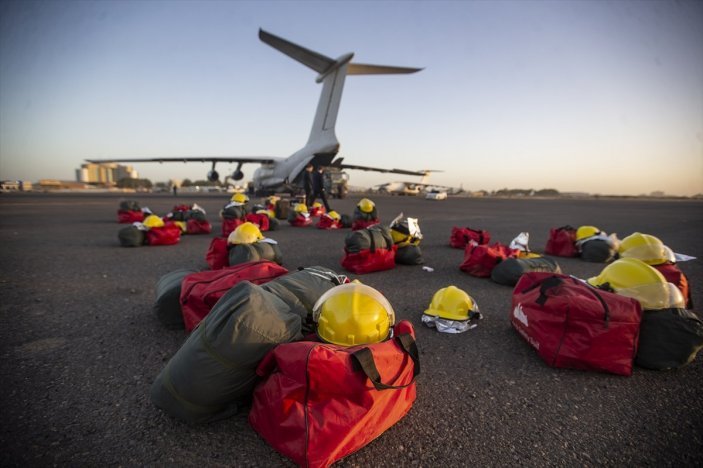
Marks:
<point>363,360</point>
<point>555,281</point>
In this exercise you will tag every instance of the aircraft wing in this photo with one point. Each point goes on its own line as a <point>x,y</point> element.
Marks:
<point>378,169</point>
<point>237,159</point>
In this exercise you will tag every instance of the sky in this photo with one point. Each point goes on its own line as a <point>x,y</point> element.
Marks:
<point>579,96</point>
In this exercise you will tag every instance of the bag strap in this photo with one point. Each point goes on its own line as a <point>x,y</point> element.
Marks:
<point>363,360</point>
<point>555,281</point>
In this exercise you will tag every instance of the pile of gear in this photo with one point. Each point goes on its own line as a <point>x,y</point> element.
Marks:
<point>587,242</point>
<point>190,219</point>
<point>253,339</point>
<point>234,213</point>
<point>152,231</point>
<point>130,212</point>
<point>504,264</point>
<point>300,216</point>
<point>245,244</point>
<point>365,215</point>
<point>634,311</point>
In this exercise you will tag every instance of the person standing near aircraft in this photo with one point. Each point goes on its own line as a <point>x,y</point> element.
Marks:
<point>318,188</point>
<point>308,184</point>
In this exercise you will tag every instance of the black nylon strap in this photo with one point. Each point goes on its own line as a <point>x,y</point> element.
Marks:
<point>363,360</point>
<point>549,283</point>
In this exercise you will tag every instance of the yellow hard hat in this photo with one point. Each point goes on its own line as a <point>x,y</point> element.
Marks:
<point>240,198</point>
<point>182,225</point>
<point>317,204</point>
<point>584,232</point>
<point>352,314</point>
<point>366,205</point>
<point>633,278</point>
<point>153,221</point>
<point>452,303</point>
<point>645,247</point>
<point>301,208</point>
<point>246,233</point>
<point>334,215</point>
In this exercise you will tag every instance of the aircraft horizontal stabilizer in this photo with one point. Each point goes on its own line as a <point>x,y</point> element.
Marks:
<point>366,69</point>
<point>307,57</point>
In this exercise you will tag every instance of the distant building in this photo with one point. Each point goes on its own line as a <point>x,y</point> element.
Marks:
<point>104,173</point>
<point>15,186</point>
<point>55,184</point>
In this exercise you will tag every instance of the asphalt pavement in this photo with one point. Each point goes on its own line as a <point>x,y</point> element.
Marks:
<point>80,344</point>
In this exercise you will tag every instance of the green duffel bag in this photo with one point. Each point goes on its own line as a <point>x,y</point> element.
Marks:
<point>301,289</point>
<point>167,306</point>
<point>509,271</point>
<point>262,250</point>
<point>373,237</point>
<point>669,338</point>
<point>131,236</point>
<point>409,255</point>
<point>214,372</point>
<point>233,212</point>
<point>598,251</point>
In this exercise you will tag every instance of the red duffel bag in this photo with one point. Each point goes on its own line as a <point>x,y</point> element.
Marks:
<point>562,242</point>
<point>675,276</point>
<point>321,402</point>
<point>358,224</point>
<point>574,325</point>
<point>229,225</point>
<point>460,237</point>
<point>130,216</point>
<point>217,255</point>
<point>200,291</point>
<point>198,226</point>
<point>260,219</point>
<point>167,235</point>
<point>327,222</point>
<point>369,260</point>
<point>479,260</point>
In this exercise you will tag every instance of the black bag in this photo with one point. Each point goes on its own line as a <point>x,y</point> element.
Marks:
<point>373,237</point>
<point>167,305</point>
<point>215,369</point>
<point>301,290</point>
<point>346,221</point>
<point>234,212</point>
<point>273,224</point>
<point>129,205</point>
<point>409,255</point>
<point>244,253</point>
<point>509,271</point>
<point>598,251</point>
<point>131,236</point>
<point>669,338</point>
<point>282,207</point>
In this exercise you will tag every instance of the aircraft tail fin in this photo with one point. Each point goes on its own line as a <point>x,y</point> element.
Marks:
<point>367,69</point>
<point>307,57</point>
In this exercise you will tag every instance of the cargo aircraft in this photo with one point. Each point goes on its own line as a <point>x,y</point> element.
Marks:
<point>285,174</point>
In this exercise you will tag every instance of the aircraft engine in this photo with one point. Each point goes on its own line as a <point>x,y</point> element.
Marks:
<point>213,176</point>
<point>237,175</point>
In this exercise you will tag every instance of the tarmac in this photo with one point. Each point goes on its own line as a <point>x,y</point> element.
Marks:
<point>81,344</point>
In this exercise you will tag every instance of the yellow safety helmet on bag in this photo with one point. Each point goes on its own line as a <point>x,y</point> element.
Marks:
<point>366,205</point>
<point>240,198</point>
<point>301,208</point>
<point>317,204</point>
<point>585,232</point>
<point>246,233</point>
<point>334,215</point>
<point>651,250</point>
<point>153,221</point>
<point>452,303</point>
<point>633,278</point>
<point>352,314</point>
